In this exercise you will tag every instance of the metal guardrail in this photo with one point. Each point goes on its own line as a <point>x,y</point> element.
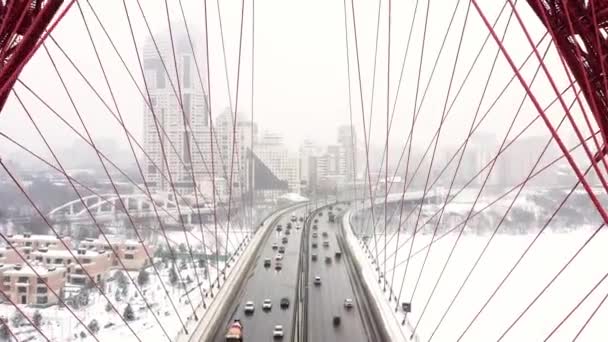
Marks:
<point>390,323</point>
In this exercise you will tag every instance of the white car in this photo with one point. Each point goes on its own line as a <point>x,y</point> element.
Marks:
<point>317,280</point>
<point>348,303</point>
<point>278,257</point>
<point>298,226</point>
<point>277,332</point>
<point>249,307</point>
<point>267,305</point>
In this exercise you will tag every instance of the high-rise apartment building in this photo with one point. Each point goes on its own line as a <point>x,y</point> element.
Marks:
<point>348,142</point>
<point>177,120</point>
<point>274,154</point>
<point>234,134</point>
<point>309,153</point>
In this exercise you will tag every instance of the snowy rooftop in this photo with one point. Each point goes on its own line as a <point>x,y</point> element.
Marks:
<point>25,270</point>
<point>39,237</point>
<point>294,197</point>
<point>112,238</point>
<point>66,253</point>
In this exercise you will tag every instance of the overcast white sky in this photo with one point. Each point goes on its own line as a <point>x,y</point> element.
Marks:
<point>301,87</point>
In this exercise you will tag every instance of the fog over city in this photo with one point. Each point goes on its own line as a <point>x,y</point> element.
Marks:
<point>308,170</point>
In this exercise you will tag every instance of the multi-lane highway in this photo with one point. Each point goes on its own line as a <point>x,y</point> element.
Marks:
<point>338,282</point>
<point>314,320</point>
<point>269,283</point>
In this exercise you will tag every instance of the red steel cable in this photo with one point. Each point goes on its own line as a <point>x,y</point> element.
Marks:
<point>222,40</point>
<point>363,116</point>
<point>86,129</point>
<point>163,152</point>
<point>140,91</point>
<point>234,123</point>
<point>478,125</point>
<point>579,250</point>
<point>149,30</point>
<point>388,93</point>
<point>373,89</point>
<point>436,143</point>
<point>451,106</point>
<point>580,331</point>
<point>118,118</point>
<point>414,116</point>
<point>187,141</point>
<point>570,159</point>
<point>211,125</point>
<point>122,172</point>
<point>121,121</point>
<point>373,92</point>
<point>504,214</point>
<point>80,184</point>
<point>350,107</point>
<point>10,244</point>
<point>198,72</point>
<point>599,282</point>
<point>521,257</point>
<point>497,199</point>
<point>250,175</point>
<point>135,48</point>
<point>432,74</point>
<point>406,185</point>
<point>97,225</point>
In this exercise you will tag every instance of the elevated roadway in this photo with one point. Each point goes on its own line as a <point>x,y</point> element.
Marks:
<point>339,281</point>
<point>264,282</point>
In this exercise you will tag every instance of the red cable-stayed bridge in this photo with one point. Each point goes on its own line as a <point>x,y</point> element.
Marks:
<point>429,80</point>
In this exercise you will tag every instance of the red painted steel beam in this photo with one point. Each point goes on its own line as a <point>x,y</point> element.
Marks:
<point>579,30</point>
<point>22,23</point>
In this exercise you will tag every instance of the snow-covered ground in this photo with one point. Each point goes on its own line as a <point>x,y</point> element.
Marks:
<point>574,224</point>
<point>59,325</point>
<point>545,259</point>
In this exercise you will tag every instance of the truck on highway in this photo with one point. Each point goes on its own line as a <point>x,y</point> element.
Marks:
<point>235,332</point>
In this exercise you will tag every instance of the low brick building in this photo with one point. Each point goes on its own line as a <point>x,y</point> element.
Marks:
<point>22,286</point>
<point>9,255</point>
<point>95,263</point>
<point>31,242</point>
<point>130,252</point>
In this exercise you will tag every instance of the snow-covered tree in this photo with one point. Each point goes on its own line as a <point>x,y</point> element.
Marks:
<point>128,314</point>
<point>143,277</point>
<point>173,276</point>
<point>37,318</point>
<point>4,329</point>
<point>93,326</point>
<point>17,319</point>
<point>121,279</point>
